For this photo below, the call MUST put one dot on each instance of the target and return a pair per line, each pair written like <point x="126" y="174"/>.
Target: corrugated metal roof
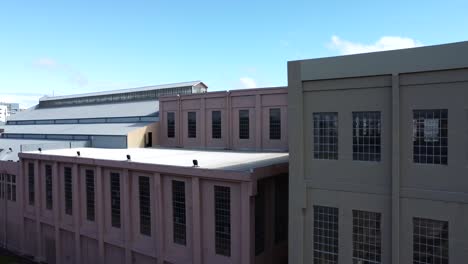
<point x="111" y="129"/>
<point x="138" y="89"/>
<point x="17" y="144"/>
<point x="130" y="109"/>
<point x="207" y="159"/>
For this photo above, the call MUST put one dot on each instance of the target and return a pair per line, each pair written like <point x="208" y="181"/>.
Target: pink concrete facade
<point x="258" y="102"/>
<point x="53" y="236"/>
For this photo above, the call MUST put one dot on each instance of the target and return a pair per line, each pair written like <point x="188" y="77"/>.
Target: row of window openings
<point x="216" y="131"/>
<point x="430" y="238"/>
<point x="222" y="204"/>
<point x="430" y="140"/>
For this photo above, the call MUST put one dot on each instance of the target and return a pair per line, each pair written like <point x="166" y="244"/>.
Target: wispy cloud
<point x="346" y="47"/>
<point x="248" y="82"/>
<point x="69" y="72"/>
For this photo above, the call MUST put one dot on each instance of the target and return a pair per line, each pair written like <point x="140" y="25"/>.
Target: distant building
<point x="4" y="114"/>
<point x="378" y="165"/>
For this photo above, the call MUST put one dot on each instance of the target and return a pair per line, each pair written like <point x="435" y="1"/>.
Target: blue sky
<point x="66" y="47"/>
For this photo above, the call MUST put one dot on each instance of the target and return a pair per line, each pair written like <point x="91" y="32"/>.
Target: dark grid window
<point x="145" y="205"/>
<point x="366" y="237"/>
<point x="8" y="187"/>
<point x="115" y="199"/>
<point x="222" y="220"/>
<point x="275" y="123"/>
<point x="67" y="186"/>
<point x="325" y="234"/>
<point x="192" y="124"/>
<point x="2" y="186"/>
<point x="90" y="195"/>
<point x="48" y="186"/>
<point x="430" y="241"/>
<point x="366" y="136"/>
<point x="170" y="124"/>
<point x="281" y="209"/>
<point x="260" y="220"/>
<point x="326" y="136"/>
<point x="178" y="212"/>
<point x="430" y="136"/>
<point x="216" y="124"/>
<point x="244" y="124"/>
<point x="31" y="183"/>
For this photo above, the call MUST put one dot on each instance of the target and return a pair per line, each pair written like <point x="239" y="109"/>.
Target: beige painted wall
<point x="136" y="138"/>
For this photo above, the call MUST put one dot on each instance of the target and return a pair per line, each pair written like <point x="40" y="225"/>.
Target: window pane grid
<point x="145" y="205"/>
<point x="244" y="124"/>
<point x="90" y="195"/>
<point x="430" y="241"/>
<point x="216" y="124"/>
<point x="178" y="211"/>
<point x="326" y="136"/>
<point x="275" y="123"/>
<point x="67" y="173"/>
<point x="366" y="136"/>
<point x="170" y="124"/>
<point x="430" y="136"/>
<point x="223" y="220"/>
<point x="192" y="124"/>
<point x="325" y="235"/>
<point x="31" y="183"/>
<point x="366" y="237"/>
<point x="115" y="199"/>
<point x="48" y="186"/>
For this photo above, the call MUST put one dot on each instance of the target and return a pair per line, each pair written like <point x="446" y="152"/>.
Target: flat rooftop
<point x="207" y="159"/>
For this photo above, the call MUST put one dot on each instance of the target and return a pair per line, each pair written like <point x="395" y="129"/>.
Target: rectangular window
<point x="48" y="186"/>
<point x="260" y="220"/>
<point x="192" y="124"/>
<point x="115" y="199"/>
<point x="430" y="241"/>
<point x="325" y="234"/>
<point x="244" y="124"/>
<point x="67" y="185"/>
<point x="31" y="183"/>
<point x="366" y="136"/>
<point x="178" y="212"/>
<point x="216" y="124"/>
<point x="430" y="136"/>
<point x="8" y="187"/>
<point x="222" y="220"/>
<point x="275" y="123"/>
<point x="170" y="124"/>
<point x="145" y="205"/>
<point x="367" y="237"/>
<point x="281" y="209"/>
<point x="90" y="195"/>
<point x="326" y="136"/>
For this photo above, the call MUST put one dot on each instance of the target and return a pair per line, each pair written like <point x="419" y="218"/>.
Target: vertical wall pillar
<point x="160" y="245"/>
<point x="196" y="206"/>
<point x="56" y="211"/>
<point x="37" y="204"/>
<point x="247" y="226"/>
<point x="126" y="185"/>
<point x="179" y="128"/>
<point x="76" y="211"/>
<point x="395" y="168"/>
<point x="229" y="132"/>
<point x="258" y="122"/>
<point x="203" y="123"/>
<point x="100" y="212"/>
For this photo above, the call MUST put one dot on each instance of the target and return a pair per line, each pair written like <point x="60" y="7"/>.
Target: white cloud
<point x="248" y="82"/>
<point x="346" y="47"/>
<point x="72" y="74"/>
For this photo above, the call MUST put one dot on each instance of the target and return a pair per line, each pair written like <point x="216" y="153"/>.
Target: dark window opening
<point x="67" y="174"/>
<point x="216" y="124"/>
<point x="145" y="205"/>
<point x="31" y="186"/>
<point x="430" y="241"/>
<point x="170" y="124"/>
<point x="192" y="124"/>
<point x="367" y="237"/>
<point x="244" y="124"/>
<point x="115" y="199"/>
<point x="281" y="209"/>
<point x="275" y="123"/>
<point x="222" y="220"/>
<point x="366" y="136"/>
<point x="430" y="136"/>
<point x="178" y="212"/>
<point x="90" y="195"/>
<point x="48" y="186"/>
<point x="326" y="136"/>
<point x="260" y="219"/>
<point x="325" y="234"/>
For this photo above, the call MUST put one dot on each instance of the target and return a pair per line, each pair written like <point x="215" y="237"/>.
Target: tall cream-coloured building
<point x="378" y="157"/>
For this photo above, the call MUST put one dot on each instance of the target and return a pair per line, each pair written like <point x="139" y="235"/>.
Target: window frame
<point x="171" y="124"/>
<point x="426" y="151"/>
<point x="144" y="199"/>
<point x="367" y="136"/>
<point x="274" y="125"/>
<point x="192" y="124"/>
<point x="68" y="190"/>
<point x="323" y="140"/>
<point x="48" y="178"/>
<point x="216" y="127"/>
<point x="115" y="196"/>
<point x="179" y="212"/>
<point x="223" y="238"/>
<point x="244" y="124"/>
<point x="90" y="194"/>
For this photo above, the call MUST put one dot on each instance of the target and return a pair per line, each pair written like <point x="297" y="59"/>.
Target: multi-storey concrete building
<point x="379" y="157"/>
<point x="160" y="205"/>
